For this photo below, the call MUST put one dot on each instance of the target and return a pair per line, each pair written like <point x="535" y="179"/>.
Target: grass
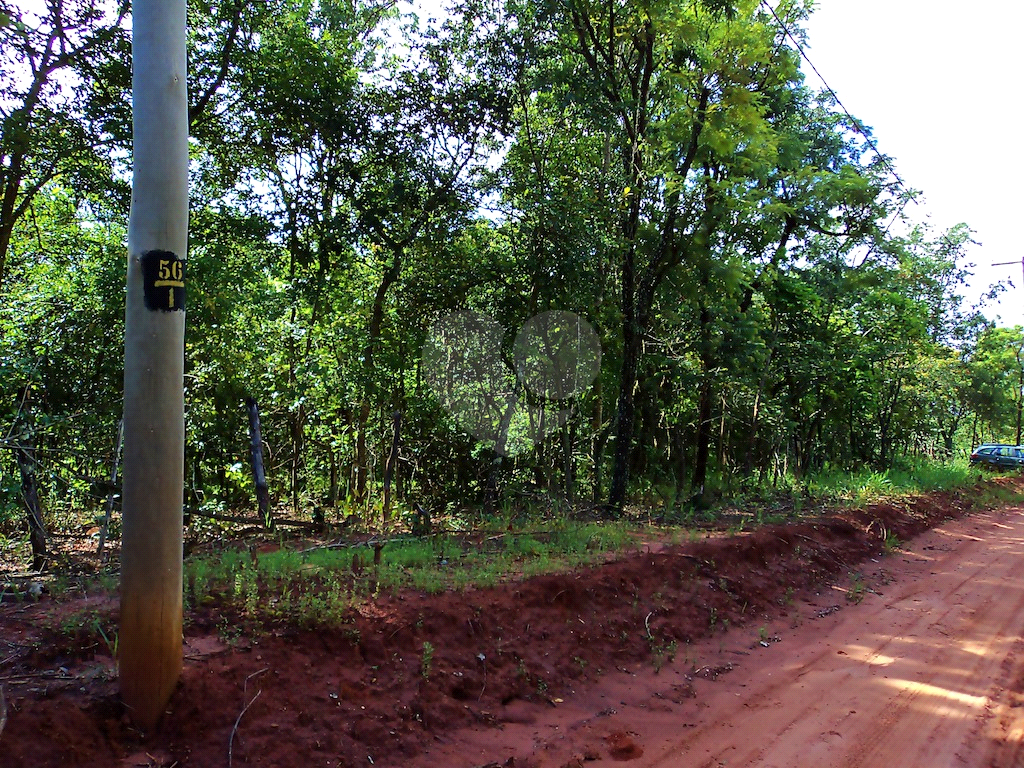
<point x="319" y="587"/>
<point x="868" y="486"/>
<point x="992" y="495"/>
<point x="857" y="588"/>
<point x="88" y="629"/>
<point x="426" y="660"/>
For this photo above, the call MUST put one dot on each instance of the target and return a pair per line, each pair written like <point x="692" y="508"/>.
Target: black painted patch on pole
<point x="163" y="281"/>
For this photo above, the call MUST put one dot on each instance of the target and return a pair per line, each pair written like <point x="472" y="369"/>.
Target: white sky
<point x="939" y="84"/>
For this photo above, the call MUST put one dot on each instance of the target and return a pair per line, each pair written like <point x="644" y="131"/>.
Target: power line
<point x="1008" y="263"/>
<point x="854" y="121"/>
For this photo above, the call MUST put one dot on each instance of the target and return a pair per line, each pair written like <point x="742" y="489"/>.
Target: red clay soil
<point x="729" y="650"/>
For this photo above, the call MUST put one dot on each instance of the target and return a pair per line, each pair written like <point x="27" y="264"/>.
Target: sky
<point x="938" y="82"/>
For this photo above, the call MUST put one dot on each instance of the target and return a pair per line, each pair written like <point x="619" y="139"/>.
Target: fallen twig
<point x="3" y="711"/>
<point x="371" y="543"/>
<point x="234" y="730"/>
<point x="52" y="674"/>
<point x="254" y="674"/>
<point x="249" y="521"/>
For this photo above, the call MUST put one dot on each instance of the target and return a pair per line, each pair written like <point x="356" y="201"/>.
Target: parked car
<point x="1003" y="456"/>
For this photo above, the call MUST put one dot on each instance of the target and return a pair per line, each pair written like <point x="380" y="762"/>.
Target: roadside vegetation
<point x="255" y="580"/>
<point x="763" y="335"/>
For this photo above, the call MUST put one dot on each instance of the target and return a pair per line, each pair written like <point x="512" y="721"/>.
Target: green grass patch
<point x="319" y="587"/>
<point x="994" y="495"/>
<point x="910" y="478"/>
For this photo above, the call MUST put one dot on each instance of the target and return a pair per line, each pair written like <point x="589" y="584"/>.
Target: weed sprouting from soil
<point x="426" y="660"/>
<point x="857" y="588"/>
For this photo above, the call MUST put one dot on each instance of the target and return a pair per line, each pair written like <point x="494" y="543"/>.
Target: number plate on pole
<point x="163" y="280"/>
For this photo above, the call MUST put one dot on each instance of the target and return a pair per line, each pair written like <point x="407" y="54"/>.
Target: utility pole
<point x="1018" y="352"/>
<point x="150" y="639"/>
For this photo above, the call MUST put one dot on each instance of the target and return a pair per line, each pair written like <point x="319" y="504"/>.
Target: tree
<point x="151" y="552"/>
<point x="45" y="89"/>
<point x="720" y="163"/>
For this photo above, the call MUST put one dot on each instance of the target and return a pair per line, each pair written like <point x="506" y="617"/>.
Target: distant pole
<point x="150" y="639"/>
<point x="1018" y="352"/>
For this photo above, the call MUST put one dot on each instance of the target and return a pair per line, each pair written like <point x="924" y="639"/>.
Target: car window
<point x="998" y="452"/>
<point x="984" y="451"/>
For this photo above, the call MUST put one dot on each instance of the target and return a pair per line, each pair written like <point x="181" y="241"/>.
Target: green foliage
<point x="320" y="586"/>
<point x="857" y="589"/>
<point x="357" y="175"/>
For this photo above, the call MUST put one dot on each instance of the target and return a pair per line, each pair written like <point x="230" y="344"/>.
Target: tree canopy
<point x="658" y="168"/>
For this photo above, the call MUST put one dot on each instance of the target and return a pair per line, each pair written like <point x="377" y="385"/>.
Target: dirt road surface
<point x="920" y="662"/>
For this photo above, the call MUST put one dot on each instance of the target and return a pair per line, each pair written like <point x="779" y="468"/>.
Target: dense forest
<point x="372" y="191"/>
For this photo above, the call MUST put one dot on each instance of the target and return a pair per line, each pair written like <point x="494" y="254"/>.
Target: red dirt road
<point x="926" y="670"/>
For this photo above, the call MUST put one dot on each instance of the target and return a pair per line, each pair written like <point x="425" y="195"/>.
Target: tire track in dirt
<point x="914" y="693"/>
<point x="796" y="716"/>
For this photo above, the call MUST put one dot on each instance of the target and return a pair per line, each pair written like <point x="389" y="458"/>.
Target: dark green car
<point x="1001" y="456"/>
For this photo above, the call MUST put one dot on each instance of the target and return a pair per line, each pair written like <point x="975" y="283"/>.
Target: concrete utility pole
<point x="150" y="639"/>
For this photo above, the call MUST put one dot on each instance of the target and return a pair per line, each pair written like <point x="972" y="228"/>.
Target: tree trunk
<point x="335" y="490"/>
<point x="33" y="510"/>
<point x="755" y="421"/>
<point x="598" y="441"/>
<point x="118" y="442"/>
<point x="26" y="457"/>
<point x="390" y="466"/>
<point x="500" y="447"/>
<point x="678" y="439"/>
<point x="259" y="475"/>
<point x="150" y="641"/>
<point x="1020" y="393"/>
<point x="625" y="412"/>
<point x="703" y="440"/>
<point x="6" y="230"/>
<point x="297" y="434"/>
<point x="391" y="275"/>
<point x="361" y="458"/>
<point x="568" y="458"/>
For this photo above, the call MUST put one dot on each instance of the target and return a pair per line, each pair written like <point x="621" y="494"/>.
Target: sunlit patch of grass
<point x="319" y="586"/>
<point x="996" y="494"/>
<point x="909" y="478"/>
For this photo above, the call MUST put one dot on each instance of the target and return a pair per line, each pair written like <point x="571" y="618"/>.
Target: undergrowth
<point x="868" y="486"/>
<point x="322" y="585"/>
